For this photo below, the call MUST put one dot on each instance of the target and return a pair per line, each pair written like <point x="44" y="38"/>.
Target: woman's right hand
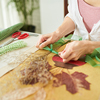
<point x="47" y="39"/>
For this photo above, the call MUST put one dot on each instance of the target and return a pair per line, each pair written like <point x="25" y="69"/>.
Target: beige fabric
<point x="12" y="59"/>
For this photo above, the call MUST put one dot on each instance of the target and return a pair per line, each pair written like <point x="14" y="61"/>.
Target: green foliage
<point x="25" y="8"/>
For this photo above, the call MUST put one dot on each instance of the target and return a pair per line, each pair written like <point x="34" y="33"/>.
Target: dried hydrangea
<point x="37" y="71"/>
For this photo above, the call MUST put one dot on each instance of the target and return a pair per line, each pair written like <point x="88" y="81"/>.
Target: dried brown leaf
<point x="73" y="82"/>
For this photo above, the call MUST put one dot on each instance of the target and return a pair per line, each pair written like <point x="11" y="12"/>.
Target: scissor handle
<point x="22" y="36"/>
<point x="16" y="34"/>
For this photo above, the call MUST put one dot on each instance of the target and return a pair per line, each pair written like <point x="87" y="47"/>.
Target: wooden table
<point x="59" y="93"/>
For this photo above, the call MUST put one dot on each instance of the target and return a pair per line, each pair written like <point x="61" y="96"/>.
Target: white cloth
<point x="80" y="28"/>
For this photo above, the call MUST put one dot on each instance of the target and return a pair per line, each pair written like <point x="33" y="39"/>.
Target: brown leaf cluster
<point x="73" y="82"/>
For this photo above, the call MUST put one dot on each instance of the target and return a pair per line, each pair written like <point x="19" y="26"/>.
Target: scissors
<point x="15" y="36"/>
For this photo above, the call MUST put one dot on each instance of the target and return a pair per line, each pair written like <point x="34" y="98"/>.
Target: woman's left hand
<point x="74" y="50"/>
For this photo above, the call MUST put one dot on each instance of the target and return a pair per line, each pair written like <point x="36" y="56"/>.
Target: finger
<point x="37" y="45"/>
<point x="61" y="52"/>
<point x="68" y="59"/>
<point x="71" y="57"/>
<point x="41" y="40"/>
<point x="65" y="54"/>
<point x="45" y="43"/>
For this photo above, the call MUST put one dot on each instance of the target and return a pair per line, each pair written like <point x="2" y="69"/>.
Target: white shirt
<point x="80" y="28"/>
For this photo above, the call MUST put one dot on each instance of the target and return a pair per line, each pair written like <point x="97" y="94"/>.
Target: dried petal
<point x="40" y="95"/>
<point x="20" y="93"/>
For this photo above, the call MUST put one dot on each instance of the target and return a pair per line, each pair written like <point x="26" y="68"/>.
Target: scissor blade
<point x="30" y="34"/>
<point x="6" y="43"/>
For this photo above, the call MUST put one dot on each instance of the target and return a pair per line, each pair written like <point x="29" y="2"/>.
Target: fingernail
<point x="63" y="51"/>
<point x="40" y="47"/>
<point x="59" y="53"/>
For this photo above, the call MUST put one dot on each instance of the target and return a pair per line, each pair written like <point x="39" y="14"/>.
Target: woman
<point x="84" y="19"/>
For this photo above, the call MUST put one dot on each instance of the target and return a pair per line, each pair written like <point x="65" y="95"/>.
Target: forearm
<point x="66" y="27"/>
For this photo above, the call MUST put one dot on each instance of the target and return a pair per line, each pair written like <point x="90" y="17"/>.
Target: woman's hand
<point x="47" y="39"/>
<point x="66" y="27"/>
<point x="74" y="50"/>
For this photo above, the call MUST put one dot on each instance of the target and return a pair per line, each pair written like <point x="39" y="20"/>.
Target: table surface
<point x="58" y="93"/>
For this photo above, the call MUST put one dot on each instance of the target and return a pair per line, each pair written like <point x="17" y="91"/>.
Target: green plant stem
<point x="32" y="3"/>
<point x="25" y="13"/>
